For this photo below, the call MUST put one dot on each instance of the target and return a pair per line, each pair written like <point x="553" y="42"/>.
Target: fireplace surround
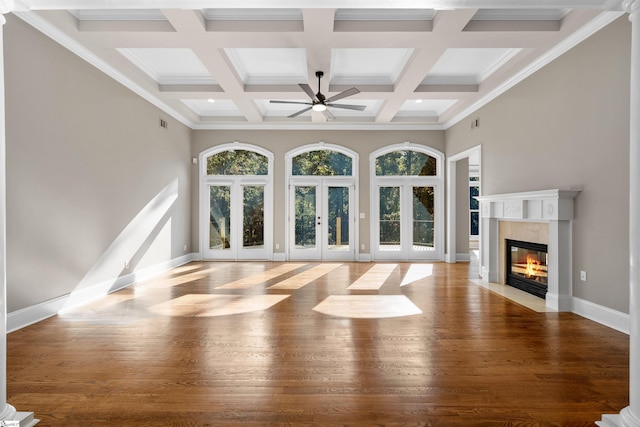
<point x="545" y="213"/>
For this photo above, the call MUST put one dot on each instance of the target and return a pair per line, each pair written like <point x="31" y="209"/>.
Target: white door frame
<point x="435" y="181"/>
<point x="353" y="178"/>
<point x="237" y="181"/>
<point x="450" y="255"/>
<point x="322" y="251"/>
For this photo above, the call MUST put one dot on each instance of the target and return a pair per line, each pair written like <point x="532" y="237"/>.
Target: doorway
<point x="322" y="194"/>
<point x="322" y="219"/>
<point x="407" y="213"/>
<point x="236" y="202"/>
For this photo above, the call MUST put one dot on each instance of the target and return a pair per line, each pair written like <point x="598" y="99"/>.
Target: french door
<point x="237" y="221"/>
<point x="321" y="220"/>
<point x="406" y="224"/>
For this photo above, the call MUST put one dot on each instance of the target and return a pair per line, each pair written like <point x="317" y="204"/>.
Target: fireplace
<point x="527" y="266"/>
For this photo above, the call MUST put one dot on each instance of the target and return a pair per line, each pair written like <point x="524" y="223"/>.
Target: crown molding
<point x="568" y="43"/>
<point x="63" y="39"/>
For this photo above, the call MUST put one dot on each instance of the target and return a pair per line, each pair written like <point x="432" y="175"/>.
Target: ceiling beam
<point x="25" y="5"/>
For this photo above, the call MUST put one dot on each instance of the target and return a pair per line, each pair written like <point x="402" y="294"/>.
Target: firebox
<point x="526" y="264"/>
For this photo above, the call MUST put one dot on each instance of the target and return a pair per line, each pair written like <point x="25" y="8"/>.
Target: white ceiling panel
<point x="269" y="65"/>
<point x="519" y="14"/>
<point x="385" y="14"/>
<point x="221" y="14"/>
<point x="169" y="65"/>
<point x="468" y="66"/>
<point x="218" y="107"/>
<point x="119" y="15"/>
<point x="425" y="107"/>
<point x="368" y="66"/>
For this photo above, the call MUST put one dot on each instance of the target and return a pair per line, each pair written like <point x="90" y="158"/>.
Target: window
<point x="237" y="162"/>
<point x="405" y="163"/>
<point x="322" y="163"/>
<point x="474" y="206"/>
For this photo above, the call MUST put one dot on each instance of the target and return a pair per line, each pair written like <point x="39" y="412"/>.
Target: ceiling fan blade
<point x="304" y="110"/>
<point x="327" y="114"/>
<point x="344" y="94"/>
<point x="273" y="101"/>
<point x="348" y="106"/>
<point x="305" y="87"/>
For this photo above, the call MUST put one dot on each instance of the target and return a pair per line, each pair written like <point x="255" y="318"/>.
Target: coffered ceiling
<point x="417" y="64"/>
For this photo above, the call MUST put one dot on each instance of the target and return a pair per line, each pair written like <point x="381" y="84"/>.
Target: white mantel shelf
<point x="554" y="207"/>
<point x="543" y="205"/>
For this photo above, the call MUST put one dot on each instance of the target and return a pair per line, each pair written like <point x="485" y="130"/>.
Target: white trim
<point x="354" y="179"/>
<point x="280" y="256"/>
<point x="601" y="314"/>
<point x="451" y="198"/>
<point x="436" y="181"/>
<point x="463" y="257"/>
<point x="364" y="258"/>
<point x="29" y="315"/>
<point x="235" y="180"/>
<point x="302" y="4"/>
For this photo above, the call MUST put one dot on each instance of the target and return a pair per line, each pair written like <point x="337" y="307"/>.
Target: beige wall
<point x="280" y="142"/>
<point x="84" y="157"/>
<point x="567" y="126"/>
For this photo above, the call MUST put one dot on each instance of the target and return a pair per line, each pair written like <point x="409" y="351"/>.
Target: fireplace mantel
<point x="554" y="207"/>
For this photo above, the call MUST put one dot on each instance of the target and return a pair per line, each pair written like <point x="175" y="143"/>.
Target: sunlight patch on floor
<point x="367" y="306"/>
<point x="261" y="278"/>
<point x="174" y="281"/>
<point x="417" y="272"/>
<point x="306" y="277"/>
<point x="374" y="278"/>
<point x="194" y="305"/>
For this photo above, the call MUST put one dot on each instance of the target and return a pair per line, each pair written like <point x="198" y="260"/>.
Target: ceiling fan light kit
<point x="320" y="103"/>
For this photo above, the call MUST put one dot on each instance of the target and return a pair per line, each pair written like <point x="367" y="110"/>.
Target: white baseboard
<point x="463" y="257"/>
<point x="279" y="256"/>
<point x="29" y="315"/>
<point x="603" y="315"/>
<point x="364" y="257"/>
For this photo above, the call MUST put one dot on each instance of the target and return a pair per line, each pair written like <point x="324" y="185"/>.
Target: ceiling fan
<point x="320" y="103"/>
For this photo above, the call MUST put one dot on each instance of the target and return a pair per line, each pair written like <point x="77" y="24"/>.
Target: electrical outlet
<point x="185" y="248"/>
<point x="126" y="264"/>
<point x="583" y="275"/>
<point x="277" y="245"/>
<point x="362" y="247"/>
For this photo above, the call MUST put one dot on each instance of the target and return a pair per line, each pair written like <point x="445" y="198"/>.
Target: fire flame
<point x="532" y="266"/>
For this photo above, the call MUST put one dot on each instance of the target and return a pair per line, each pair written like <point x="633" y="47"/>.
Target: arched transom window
<point x="236" y="202"/>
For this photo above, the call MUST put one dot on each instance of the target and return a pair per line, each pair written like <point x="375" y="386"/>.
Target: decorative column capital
<point x="631" y="6"/>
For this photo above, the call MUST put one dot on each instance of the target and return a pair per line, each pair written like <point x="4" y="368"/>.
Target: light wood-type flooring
<point x="291" y="344"/>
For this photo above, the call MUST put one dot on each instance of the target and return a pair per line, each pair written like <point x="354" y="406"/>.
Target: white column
<point x="630" y="416"/>
<point x="7" y="412"/>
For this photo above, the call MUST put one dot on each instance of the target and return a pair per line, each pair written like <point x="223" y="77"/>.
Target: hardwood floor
<point x="186" y="350"/>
